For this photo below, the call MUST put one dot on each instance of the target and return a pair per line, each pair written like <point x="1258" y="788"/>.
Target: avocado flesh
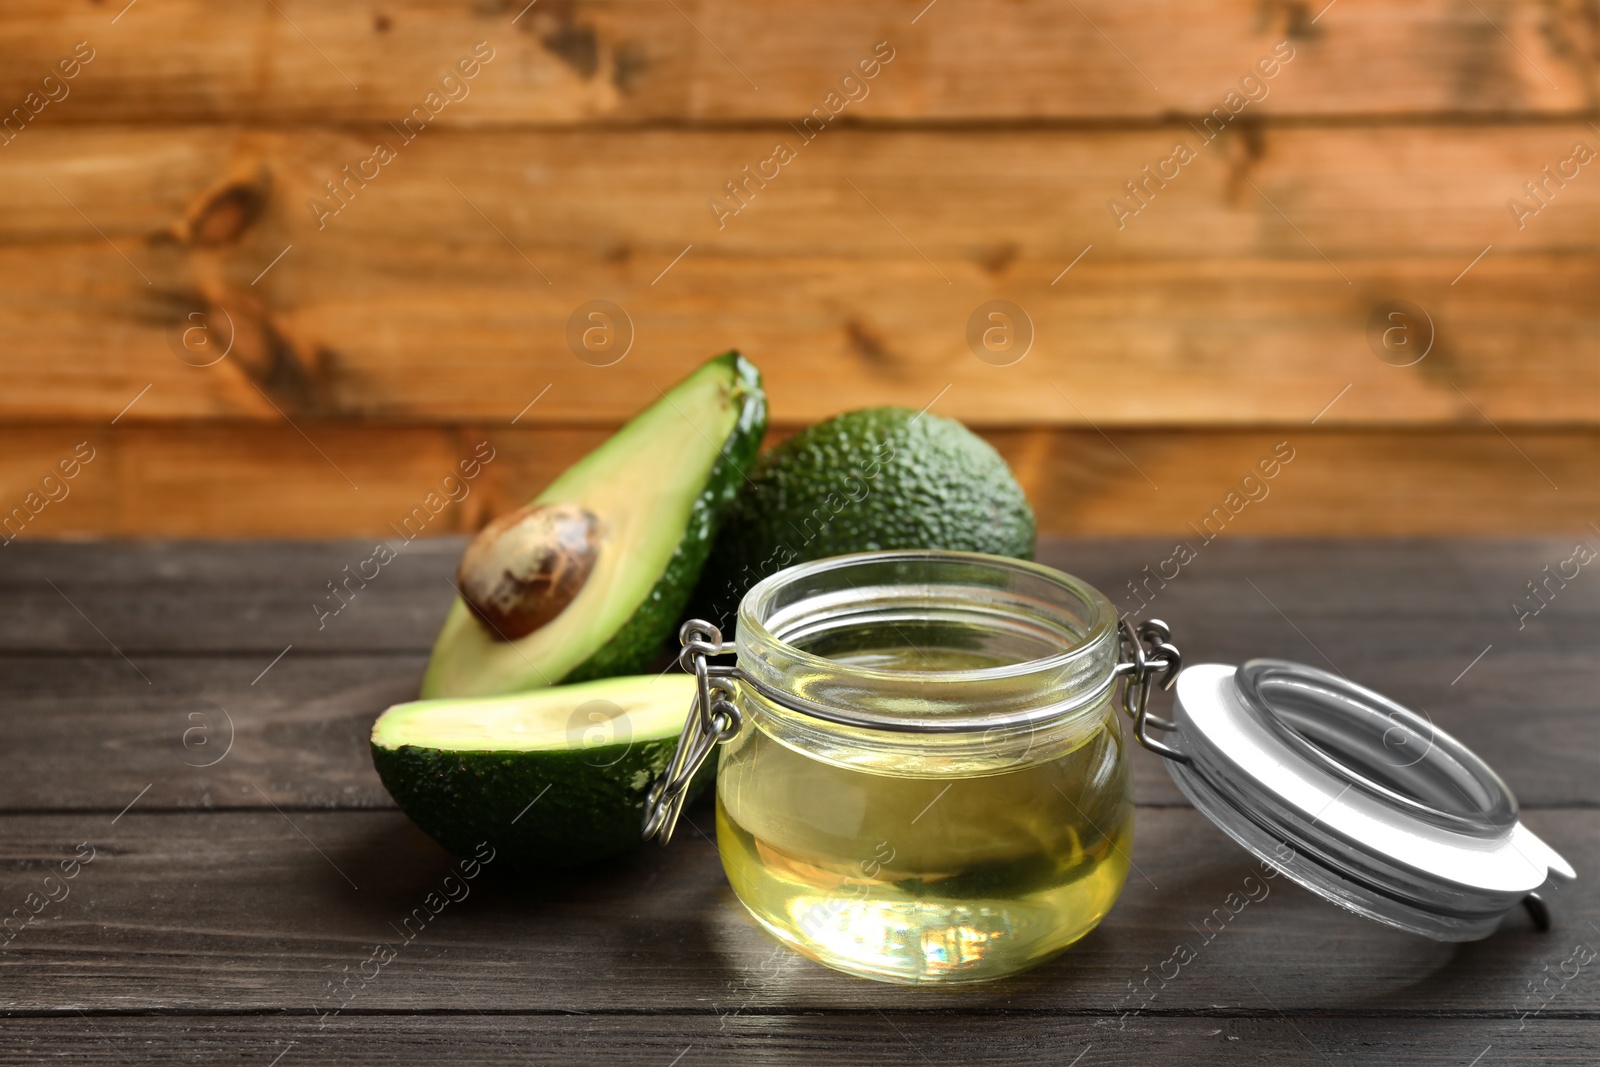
<point x="549" y="779"/>
<point x="641" y="707"/>
<point x="658" y="487"/>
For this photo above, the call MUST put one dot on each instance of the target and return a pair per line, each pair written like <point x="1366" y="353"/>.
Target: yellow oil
<point x="926" y="878"/>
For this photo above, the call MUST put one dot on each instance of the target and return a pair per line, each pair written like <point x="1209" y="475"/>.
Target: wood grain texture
<point x="442" y="291"/>
<point x="247" y="900"/>
<point x="225" y="906"/>
<point x="301" y="61"/>
<point x="329" y="479"/>
<point x="204" y="711"/>
<point x="891" y="1038"/>
<point x="148" y="595"/>
<point x="204" y="735"/>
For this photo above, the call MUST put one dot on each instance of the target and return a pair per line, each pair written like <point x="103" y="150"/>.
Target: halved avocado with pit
<point x="591" y="578"/>
<point x="549" y="779"/>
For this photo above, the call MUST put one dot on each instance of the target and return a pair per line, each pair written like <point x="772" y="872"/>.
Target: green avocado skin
<point x="590" y="801"/>
<point x="879" y="478"/>
<point x="654" y="623"/>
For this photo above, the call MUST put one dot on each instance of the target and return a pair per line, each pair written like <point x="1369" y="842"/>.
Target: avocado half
<point x="548" y="779"/>
<point x="657" y="489"/>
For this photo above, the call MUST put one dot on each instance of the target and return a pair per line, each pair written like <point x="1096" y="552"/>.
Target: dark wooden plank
<point x="1424" y="621"/>
<point x="274" y="916"/>
<point x="155" y="597"/>
<point x="200" y="735"/>
<point x="185" y="597"/>
<point x="300" y="734"/>
<point x="889" y="1038"/>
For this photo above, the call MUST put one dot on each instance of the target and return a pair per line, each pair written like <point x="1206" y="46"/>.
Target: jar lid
<point x="1356" y="797"/>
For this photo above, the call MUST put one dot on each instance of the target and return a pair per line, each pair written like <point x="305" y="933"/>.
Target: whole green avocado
<point x="878" y="478"/>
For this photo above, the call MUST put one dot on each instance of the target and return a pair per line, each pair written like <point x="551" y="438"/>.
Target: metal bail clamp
<point x="1144" y="652"/>
<point x="713" y="717"/>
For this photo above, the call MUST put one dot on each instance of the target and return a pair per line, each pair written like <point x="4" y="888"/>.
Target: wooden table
<point x="234" y="888"/>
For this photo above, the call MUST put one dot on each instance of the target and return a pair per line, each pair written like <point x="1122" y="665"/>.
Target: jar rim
<point x="1100" y="627"/>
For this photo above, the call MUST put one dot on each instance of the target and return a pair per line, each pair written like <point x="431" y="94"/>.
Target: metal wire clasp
<point x="1144" y="652"/>
<point x="713" y="717"/>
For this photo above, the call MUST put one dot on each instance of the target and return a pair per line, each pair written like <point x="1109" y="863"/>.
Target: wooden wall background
<point x="1226" y="316"/>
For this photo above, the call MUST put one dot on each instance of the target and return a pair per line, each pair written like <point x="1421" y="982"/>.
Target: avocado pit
<point x="525" y="567"/>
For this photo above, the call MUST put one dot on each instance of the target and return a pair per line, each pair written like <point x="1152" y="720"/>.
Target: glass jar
<point x="923" y="778"/>
<point x="930" y="781"/>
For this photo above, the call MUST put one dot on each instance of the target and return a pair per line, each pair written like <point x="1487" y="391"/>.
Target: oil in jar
<point x="926" y="877"/>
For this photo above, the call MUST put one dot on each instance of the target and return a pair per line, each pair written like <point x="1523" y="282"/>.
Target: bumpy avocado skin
<point x="593" y="807"/>
<point x="879" y="478"/>
<point x="655" y="622"/>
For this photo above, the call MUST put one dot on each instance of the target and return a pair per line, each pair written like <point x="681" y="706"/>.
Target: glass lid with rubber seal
<point x="1356" y="797"/>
